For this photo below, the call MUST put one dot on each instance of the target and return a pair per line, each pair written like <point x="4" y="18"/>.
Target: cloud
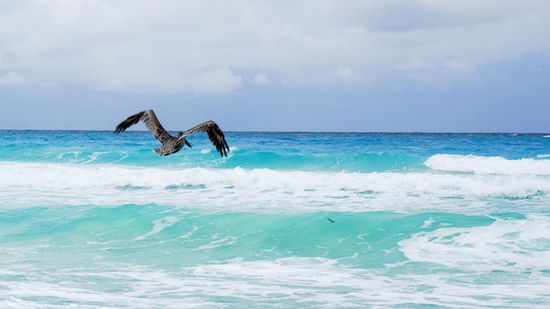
<point x="12" y="78"/>
<point x="167" y="47"/>
<point x="219" y="81"/>
<point x="261" y="79"/>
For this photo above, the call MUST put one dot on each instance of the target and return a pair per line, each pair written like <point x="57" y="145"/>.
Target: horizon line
<point x="299" y="132"/>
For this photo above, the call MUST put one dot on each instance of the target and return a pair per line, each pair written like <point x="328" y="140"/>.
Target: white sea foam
<point x="487" y="165"/>
<point x="290" y="282"/>
<point x="216" y="243"/>
<point x="543" y="156"/>
<point x="94" y="156"/>
<point x="505" y="245"/>
<point x="32" y="184"/>
<point x="158" y="226"/>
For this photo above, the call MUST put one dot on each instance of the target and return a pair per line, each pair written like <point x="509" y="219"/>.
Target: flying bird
<point x="172" y="144"/>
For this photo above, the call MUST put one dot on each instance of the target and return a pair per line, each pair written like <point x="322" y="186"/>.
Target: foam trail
<point x="487" y="165"/>
<point x="158" y="226"/>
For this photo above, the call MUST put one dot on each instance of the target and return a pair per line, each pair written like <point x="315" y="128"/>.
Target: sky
<point x="362" y="66"/>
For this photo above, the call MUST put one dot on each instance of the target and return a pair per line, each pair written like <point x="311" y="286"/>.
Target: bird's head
<point x="180" y="134"/>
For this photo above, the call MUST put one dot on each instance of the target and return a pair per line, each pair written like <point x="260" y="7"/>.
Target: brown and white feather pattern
<point x="151" y="122"/>
<point x="215" y="134"/>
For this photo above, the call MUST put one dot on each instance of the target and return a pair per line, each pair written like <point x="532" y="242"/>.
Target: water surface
<point x="91" y="219"/>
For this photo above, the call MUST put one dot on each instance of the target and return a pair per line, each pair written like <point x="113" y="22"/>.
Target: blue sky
<point x="452" y="66"/>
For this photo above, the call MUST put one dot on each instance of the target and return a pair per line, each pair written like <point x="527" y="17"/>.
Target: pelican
<point x="171" y="144"/>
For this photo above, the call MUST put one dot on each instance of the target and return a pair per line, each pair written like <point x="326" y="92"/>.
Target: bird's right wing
<point x="215" y="134"/>
<point x="150" y="119"/>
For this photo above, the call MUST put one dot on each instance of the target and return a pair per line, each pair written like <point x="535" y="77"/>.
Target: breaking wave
<point x="270" y="190"/>
<point x="488" y="165"/>
<point x="504" y="245"/>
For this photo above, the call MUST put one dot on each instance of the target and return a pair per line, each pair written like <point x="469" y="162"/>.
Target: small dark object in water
<point x="330" y="220"/>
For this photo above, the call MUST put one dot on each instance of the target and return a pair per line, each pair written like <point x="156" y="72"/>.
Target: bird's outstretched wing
<point x="215" y="135"/>
<point x="150" y="119"/>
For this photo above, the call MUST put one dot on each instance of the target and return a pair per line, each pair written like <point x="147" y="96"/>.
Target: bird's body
<point x="170" y="147"/>
<point x="172" y="144"/>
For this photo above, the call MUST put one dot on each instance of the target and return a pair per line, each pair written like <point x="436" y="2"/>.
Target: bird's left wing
<point x="151" y="122"/>
<point x="215" y="134"/>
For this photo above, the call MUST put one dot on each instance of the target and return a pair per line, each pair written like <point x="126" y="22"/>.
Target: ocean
<point x="350" y="220"/>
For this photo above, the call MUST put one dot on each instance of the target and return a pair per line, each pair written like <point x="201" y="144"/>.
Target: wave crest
<point x="487" y="165"/>
<point x="24" y="185"/>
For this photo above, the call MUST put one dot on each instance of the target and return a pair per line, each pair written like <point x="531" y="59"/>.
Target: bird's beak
<point x="187" y="143"/>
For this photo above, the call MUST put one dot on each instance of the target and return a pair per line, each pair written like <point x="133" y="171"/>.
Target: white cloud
<point x="197" y="46"/>
<point x="219" y="81"/>
<point x="261" y="79"/>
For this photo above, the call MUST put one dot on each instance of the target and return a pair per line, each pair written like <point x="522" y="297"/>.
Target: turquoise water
<point x="90" y="219"/>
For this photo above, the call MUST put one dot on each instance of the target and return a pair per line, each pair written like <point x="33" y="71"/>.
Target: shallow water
<point x="91" y="219"/>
